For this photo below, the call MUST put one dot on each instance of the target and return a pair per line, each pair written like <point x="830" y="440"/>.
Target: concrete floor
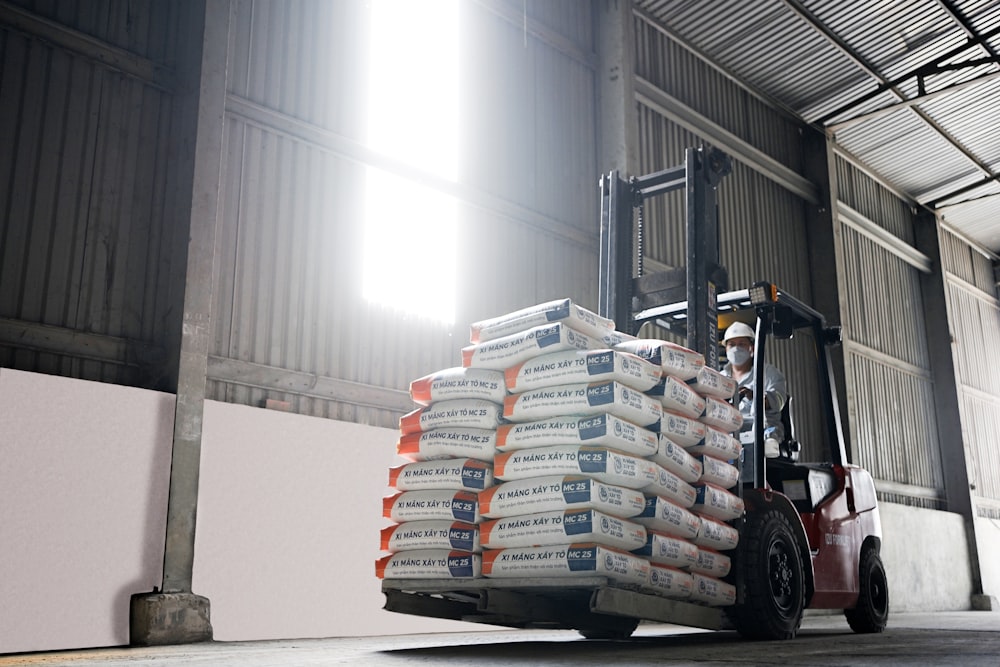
<point x="946" y="638"/>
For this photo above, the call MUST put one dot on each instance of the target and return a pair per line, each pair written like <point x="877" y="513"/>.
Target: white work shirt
<point x="776" y="393"/>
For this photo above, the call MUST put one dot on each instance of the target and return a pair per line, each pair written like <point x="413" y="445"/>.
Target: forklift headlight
<point x="762" y="293"/>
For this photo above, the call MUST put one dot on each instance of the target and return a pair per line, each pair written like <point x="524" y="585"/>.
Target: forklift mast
<point x="624" y="298"/>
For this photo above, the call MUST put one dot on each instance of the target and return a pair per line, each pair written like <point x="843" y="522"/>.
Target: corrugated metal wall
<point x="890" y="386"/>
<point x="762" y="225"/>
<point x="87" y="231"/>
<point x="974" y="318"/>
<point x="294" y="166"/>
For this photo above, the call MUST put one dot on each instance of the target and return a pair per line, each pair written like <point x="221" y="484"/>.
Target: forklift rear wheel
<point x="770" y="566"/>
<point x="872" y="611"/>
<point x="621" y="630"/>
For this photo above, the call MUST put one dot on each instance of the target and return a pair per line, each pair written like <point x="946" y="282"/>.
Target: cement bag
<point x="717" y="503"/>
<point x="548" y="528"/>
<point x="602" y="464"/>
<point x="712" y="591"/>
<point x="675" y="360"/>
<point x="716" y="535"/>
<point x="718" y="444"/>
<point x="584" y="399"/>
<point x="682" y="430"/>
<point x="671" y="487"/>
<point x="722" y="415"/>
<point x="558" y="492"/>
<point x="603" y="429"/>
<point x="615" y="338"/>
<point x="710" y="382"/>
<point x="668" y="550"/>
<point x="560" y="310"/>
<point x="663" y="516"/>
<point x="669" y="581"/>
<point x="457" y="474"/>
<point x="458" y="413"/>
<point x="449" y="443"/>
<point x="677" y="460"/>
<point x="577" y="367"/>
<point x="712" y="563"/>
<point x="568" y="560"/>
<point x="717" y="472"/>
<point x="428" y="564"/>
<point x="502" y="353"/>
<point x="440" y="534"/>
<point x="676" y="396"/>
<point x="434" y="504"/>
<point x="459" y="382"/>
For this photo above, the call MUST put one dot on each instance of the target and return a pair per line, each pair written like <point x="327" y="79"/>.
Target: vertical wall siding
<point x="86" y="226"/>
<point x="762" y="225"/>
<point x="289" y="279"/>
<point x="974" y="318"/>
<point x="893" y="419"/>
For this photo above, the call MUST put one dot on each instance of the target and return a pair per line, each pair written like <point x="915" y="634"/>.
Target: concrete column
<point x="617" y="122"/>
<point x="176" y="615"/>
<point x="946" y="402"/>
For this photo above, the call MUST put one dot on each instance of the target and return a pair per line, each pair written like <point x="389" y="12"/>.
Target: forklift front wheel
<point x="872" y="611"/>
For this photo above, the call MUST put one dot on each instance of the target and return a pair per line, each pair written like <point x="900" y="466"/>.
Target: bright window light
<point x="410" y="229"/>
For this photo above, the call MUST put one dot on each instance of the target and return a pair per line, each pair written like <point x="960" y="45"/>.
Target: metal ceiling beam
<point x="800" y="10"/>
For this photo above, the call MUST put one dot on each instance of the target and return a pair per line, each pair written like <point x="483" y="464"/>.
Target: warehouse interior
<point x="234" y="231"/>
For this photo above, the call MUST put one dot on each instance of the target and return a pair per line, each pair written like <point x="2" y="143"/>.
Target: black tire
<point x="872" y="611"/>
<point x="769" y="565"/>
<point x="620" y="630"/>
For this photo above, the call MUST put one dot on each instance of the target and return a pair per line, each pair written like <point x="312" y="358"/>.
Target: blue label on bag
<point x="599" y="363"/>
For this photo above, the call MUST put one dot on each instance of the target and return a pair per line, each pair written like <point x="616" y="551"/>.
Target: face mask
<point x="737" y="355"/>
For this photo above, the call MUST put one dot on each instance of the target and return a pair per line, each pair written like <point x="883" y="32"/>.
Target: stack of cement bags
<point x="564" y="448"/>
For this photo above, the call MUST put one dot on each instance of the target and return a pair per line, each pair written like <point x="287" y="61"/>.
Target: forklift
<point x="810" y="536"/>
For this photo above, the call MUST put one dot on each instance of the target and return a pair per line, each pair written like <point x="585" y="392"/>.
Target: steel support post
<point x="615" y="289"/>
<point x="175" y="615"/>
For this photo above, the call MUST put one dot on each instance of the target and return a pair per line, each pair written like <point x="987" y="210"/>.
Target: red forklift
<point x="810" y="536"/>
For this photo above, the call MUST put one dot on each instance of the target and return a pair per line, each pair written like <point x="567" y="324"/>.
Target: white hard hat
<point x="738" y="330"/>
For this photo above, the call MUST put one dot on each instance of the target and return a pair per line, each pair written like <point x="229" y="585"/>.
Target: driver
<point x="739" y="342"/>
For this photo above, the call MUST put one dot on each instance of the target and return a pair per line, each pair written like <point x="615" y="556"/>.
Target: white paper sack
<point x="712" y="563"/>
<point x="457" y="474"/>
<point x="663" y="516"/>
<point x="717" y="503"/>
<point x="578" y="366"/>
<point x="559" y="310"/>
<point x="559" y="492"/>
<point x="615" y="338"/>
<point x="712" y="591"/>
<point x="668" y="550"/>
<point x="603" y="429"/>
<point x="682" y="430"/>
<point x="670" y="582"/>
<point x="716" y="535"/>
<point x="440" y="534"/>
<point x="671" y="487"/>
<point x="719" y="473"/>
<point x="449" y="443"/>
<point x="718" y="444"/>
<point x="428" y="564"/>
<point x="674" y="359"/>
<point x="459" y="413"/>
<point x="548" y="528"/>
<point x="432" y="504"/>
<point x="677" y="460"/>
<point x="710" y="382"/>
<point x="459" y="382"/>
<point x="599" y="463"/>
<point x="721" y="415"/>
<point x="573" y="560"/>
<point x="502" y="353"/>
<point x="584" y="399"/>
<point x="676" y="396"/>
